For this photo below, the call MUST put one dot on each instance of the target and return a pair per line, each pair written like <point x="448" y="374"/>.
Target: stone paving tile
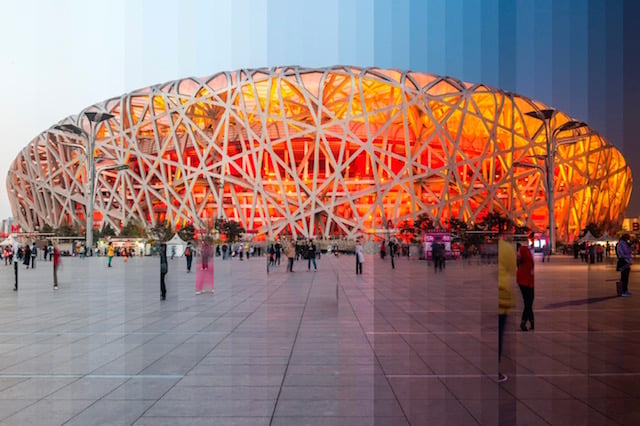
<point x="404" y="346"/>
<point x="9" y="407"/>
<point x="621" y="410"/>
<point x="111" y="412"/>
<point x="504" y="411"/>
<point x="203" y="421"/>
<point x="36" y="387"/>
<point x="213" y="393"/>
<point x="437" y="412"/>
<point x="144" y="388"/>
<point x="340" y="421"/>
<point x="380" y="390"/>
<point x="47" y="411"/>
<point x="567" y="411"/>
<point x="87" y="388"/>
<point x="338" y="408"/>
<point x="212" y="408"/>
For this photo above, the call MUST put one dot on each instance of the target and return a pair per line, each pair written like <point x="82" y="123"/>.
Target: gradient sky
<point x="579" y="56"/>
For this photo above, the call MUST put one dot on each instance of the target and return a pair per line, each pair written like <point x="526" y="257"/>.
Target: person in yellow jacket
<point x="506" y="274"/>
<point x="110" y="252"/>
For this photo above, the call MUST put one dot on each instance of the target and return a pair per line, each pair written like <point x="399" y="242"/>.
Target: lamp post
<point x="95" y="118"/>
<point x="552" y="144"/>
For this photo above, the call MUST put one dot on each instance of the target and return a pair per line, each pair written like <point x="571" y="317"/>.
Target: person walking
<point x="164" y="268"/>
<point x="311" y="255"/>
<point x="437" y="250"/>
<point x="188" y="254"/>
<point x="111" y="251"/>
<point x="34" y="253"/>
<point x="290" y="252"/>
<point x="205" y="254"/>
<point x="392" y="253"/>
<point x="56" y="265"/>
<point x="526" y="281"/>
<point x="506" y="272"/>
<point x="624" y="253"/>
<point x="359" y="258"/>
<point x="26" y="257"/>
<point x="278" y="252"/>
<point x="16" y="257"/>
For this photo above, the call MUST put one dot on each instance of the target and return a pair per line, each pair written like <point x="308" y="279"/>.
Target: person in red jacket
<point x="525" y="280"/>
<point x="56" y="265"/>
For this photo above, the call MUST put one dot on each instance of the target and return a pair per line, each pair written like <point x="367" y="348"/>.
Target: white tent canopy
<point x="9" y="241"/>
<point x="588" y="238"/>
<point x="607" y="238"/>
<point x="176" y="246"/>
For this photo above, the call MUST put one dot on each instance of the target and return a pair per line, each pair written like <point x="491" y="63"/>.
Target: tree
<point x="232" y="230"/>
<point x="423" y="223"/>
<point x="107" y="231"/>
<point x="407" y="231"/>
<point x="66" y="230"/>
<point x="187" y="233"/>
<point x="457" y="226"/>
<point x="97" y="234"/>
<point x="133" y="229"/>
<point x="495" y="221"/>
<point x="594" y="228"/>
<point x="161" y="232"/>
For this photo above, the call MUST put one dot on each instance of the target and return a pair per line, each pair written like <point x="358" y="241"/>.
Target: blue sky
<point x="59" y="57"/>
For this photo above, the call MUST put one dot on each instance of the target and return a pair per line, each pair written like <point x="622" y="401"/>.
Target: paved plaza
<point x="389" y="347"/>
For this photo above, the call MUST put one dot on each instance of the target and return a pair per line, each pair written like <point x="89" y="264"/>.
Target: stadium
<point x="319" y="152"/>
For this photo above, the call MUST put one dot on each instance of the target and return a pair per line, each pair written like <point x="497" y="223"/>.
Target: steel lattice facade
<point x="319" y="152"/>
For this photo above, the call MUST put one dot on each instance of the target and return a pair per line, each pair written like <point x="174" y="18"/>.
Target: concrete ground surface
<point x="388" y="347"/>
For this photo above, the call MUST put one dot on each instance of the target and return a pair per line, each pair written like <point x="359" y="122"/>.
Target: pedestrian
<point x="311" y="254"/>
<point x="110" y="252"/>
<point x="623" y="251"/>
<point x="278" y="252"/>
<point x="34" y="253"/>
<point x="56" y="265"/>
<point x="437" y="252"/>
<point x="164" y="268"/>
<point x="392" y="253"/>
<point x="26" y="257"/>
<point x="290" y="252"/>
<point x="205" y="254"/>
<point x="506" y="272"/>
<point x="383" y="251"/>
<point x="359" y="258"/>
<point x="525" y="279"/>
<point x="16" y="257"/>
<point x="188" y="254"/>
<point x="272" y="255"/>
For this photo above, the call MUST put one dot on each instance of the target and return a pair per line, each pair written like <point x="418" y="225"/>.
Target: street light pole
<point x="552" y="145"/>
<point x="95" y="118"/>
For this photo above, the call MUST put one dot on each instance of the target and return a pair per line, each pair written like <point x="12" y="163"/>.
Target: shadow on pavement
<point x="579" y="302"/>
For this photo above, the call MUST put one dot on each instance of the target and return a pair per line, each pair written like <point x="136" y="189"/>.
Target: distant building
<point x="5" y="226"/>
